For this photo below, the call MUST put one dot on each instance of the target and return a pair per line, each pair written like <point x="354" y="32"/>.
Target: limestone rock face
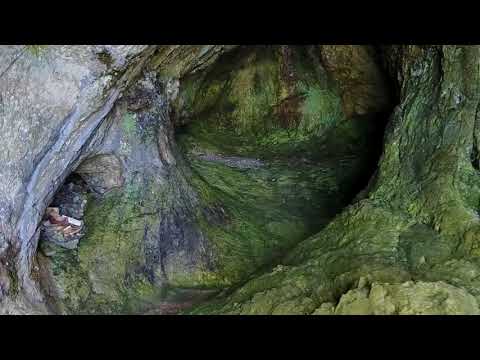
<point x="252" y="169"/>
<point x="409" y="298"/>
<point x="177" y="61"/>
<point x="54" y="102"/>
<point x="363" y="83"/>
<point x="191" y="214"/>
<point x="102" y="173"/>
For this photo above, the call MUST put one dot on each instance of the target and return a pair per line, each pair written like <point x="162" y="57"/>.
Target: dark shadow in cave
<point x="63" y="224"/>
<point x="374" y="155"/>
<point x="230" y="187"/>
<point x="381" y="121"/>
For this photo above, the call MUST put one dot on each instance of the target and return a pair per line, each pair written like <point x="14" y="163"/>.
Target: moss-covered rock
<point x="417" y="221"/>
<point x="276" y="107"/>
<point x="409" y="298"/>
<point x="266" y="157"/>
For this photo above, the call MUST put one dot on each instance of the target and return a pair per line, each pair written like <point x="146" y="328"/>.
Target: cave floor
<point x="275" y="189"/>
<point x="259" y="195"/>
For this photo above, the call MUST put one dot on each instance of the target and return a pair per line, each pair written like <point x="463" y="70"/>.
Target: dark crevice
<point x="370" y="168"/>
<point x="474" y="155"/>
<point x="62" y="224"/>
<point x="381" y="121"/>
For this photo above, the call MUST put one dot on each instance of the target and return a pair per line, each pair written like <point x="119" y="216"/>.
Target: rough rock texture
<point x="102" y="173"/>
<point x="275" y="155"/>
<point x="417" y="220"/>
<point x="409" y="298"/>
<point x="55" y="100"/>
<point x="210" y="219"/>
<point x="142" y="232"/>
<point x="175" y="61"/>
<point x="273" y="142"/>
<point x="52" y="105"/>
<point x="362" y="82"/>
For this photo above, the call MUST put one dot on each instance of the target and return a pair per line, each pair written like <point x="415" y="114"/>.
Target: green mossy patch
<point x="311" y="166"/>
<point x="416" y="232"/>
<point x="108" y="264"/>
<point x="283" y="116"/>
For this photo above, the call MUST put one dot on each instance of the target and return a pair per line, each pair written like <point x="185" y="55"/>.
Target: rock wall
<point x="418" y="219"/>
<point x="216" y="167"/>
<point x="209" y="213"/>
<point x="55" y="101"/>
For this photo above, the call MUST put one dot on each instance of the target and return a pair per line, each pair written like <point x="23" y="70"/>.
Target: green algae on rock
<point x="250" y="179"/>
<point x="309" y="169"/>
<point x="266" y="158"/>
<point x="413" y="223"/>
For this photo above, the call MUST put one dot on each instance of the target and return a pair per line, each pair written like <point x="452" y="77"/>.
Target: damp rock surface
<point x="410" y="298"/>
<point x="303" y="202"/>
<point x="232" y="161"/>
<point x="417" y="219"/>
<point x="55" y="101"/>
<point x="203" y="205"/>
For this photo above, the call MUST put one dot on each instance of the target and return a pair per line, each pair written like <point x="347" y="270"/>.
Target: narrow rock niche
<point x="63" y="223"/>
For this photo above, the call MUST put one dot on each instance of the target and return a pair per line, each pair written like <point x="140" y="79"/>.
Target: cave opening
<point x="271" y="164"/>
<point x="63" y="222"/>
<point x="280" y="181"/>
